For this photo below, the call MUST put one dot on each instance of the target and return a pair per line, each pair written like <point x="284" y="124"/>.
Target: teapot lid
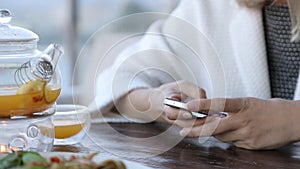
<point x="14" y="38"/>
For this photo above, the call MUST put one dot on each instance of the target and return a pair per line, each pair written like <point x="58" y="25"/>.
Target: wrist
<point x="294" y="117"/>
<point x="139" y="99"/>
<point x="133" y="105"/>
<point x="147" y="100"/>
<point x="143" y="104"/>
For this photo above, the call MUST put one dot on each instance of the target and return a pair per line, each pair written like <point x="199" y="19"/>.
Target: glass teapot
<point x="30" y="81"/>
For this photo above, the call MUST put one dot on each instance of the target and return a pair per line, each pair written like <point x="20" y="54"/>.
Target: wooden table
<point x="129" y="141"/>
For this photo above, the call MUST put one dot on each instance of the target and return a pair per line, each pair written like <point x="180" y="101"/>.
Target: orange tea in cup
<point x="67" y="128"/>
<point x="71" y="124"/>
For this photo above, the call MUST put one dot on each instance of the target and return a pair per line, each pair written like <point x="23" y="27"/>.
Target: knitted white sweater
<point x="214" y="43"/>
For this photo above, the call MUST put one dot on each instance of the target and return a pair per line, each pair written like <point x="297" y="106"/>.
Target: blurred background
<point x="72" y="23"/>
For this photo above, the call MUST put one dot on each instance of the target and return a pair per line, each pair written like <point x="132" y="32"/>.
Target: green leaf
<point x="10" y="160"/>
<point x="32" y="157"/>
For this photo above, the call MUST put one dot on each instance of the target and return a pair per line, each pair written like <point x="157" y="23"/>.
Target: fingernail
<point x="187" y="116"/>
<point x="183" y="132"/>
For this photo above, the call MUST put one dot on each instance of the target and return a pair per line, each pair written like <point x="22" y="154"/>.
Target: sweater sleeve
<point x="142" y="65"/>
<point x="188" y="45"/>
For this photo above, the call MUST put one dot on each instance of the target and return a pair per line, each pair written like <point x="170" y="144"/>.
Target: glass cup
<point x="71" y="123"/>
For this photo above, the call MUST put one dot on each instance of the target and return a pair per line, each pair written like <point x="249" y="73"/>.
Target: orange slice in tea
<point x="49" y="95"/>
<point x="32" y="86"/>
<point x="36" y="86"/>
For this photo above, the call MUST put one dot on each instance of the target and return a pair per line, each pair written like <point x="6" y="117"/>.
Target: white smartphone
<point x="181" y="105"/>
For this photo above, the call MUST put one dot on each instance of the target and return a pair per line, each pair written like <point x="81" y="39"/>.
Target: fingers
<point x="185" y="89"/>
<point x="174" y="113"/>
<point x="214" y="127"/>
<point x="194" y="122"/>
<point x="180" y="90"/>
<point x="230" y="136"/>
<point x="191" y="90"/>
<point x="184" y="119"/>
<point x="189" y="123"/>
<point x="219" y="104"/>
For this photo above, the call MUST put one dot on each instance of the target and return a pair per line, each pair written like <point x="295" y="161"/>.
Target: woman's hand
<point x="251" y="123"/>
<point x="147" y="104"/>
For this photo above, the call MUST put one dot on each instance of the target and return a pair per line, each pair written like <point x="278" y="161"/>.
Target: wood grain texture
<point x="188" y="153"/>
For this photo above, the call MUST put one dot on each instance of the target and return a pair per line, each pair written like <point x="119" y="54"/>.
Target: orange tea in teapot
<point x="34" y="96"/>
<point x="30" y="82"/>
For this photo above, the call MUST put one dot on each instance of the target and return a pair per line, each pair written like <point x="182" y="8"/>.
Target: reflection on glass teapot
<point x="30" y="80"/>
